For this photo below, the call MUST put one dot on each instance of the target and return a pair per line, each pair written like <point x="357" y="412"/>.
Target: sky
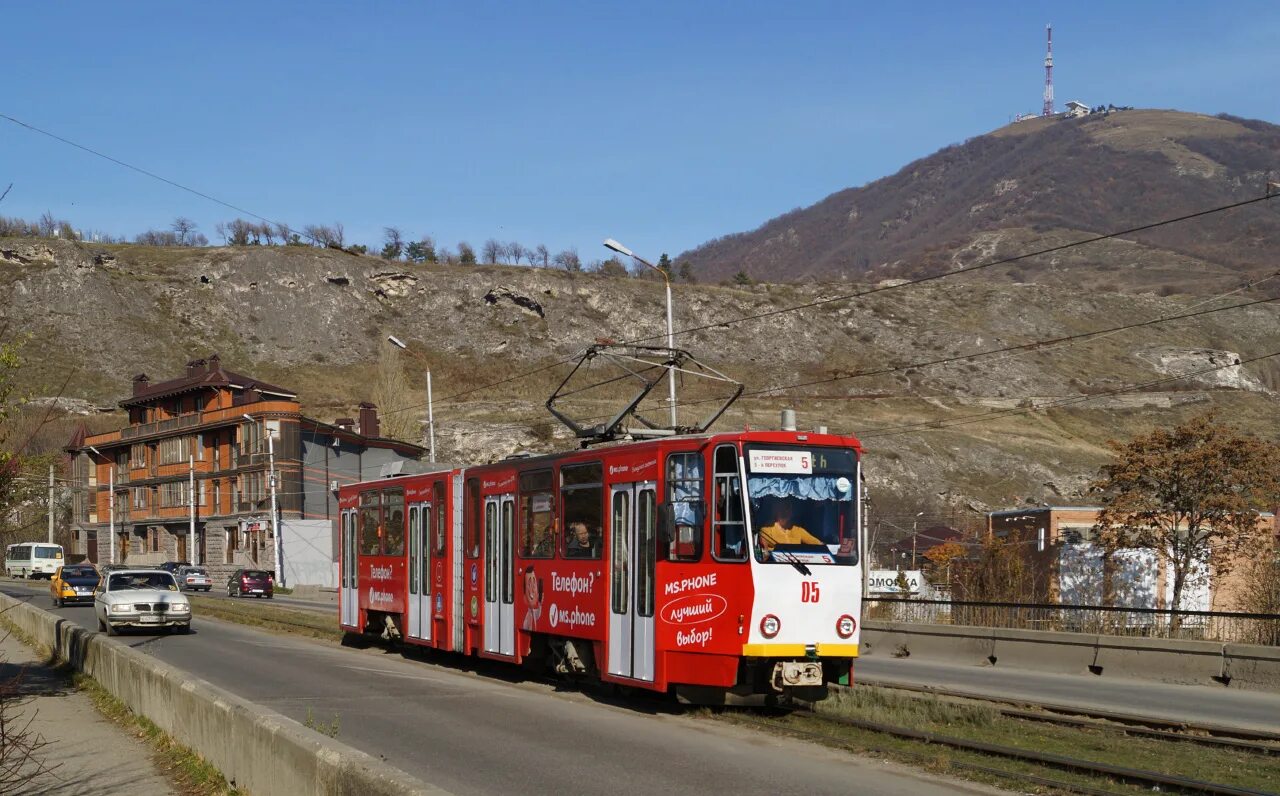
<point x="660" y="124"/>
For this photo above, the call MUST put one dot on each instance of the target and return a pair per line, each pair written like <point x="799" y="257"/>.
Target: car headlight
<point x="179" y="608"/>
<point x="119" y="609"/>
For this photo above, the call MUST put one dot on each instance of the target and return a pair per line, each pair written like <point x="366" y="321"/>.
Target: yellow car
<point x="73" y="583"/>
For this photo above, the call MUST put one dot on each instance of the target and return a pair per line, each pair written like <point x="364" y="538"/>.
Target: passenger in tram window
<point x="783" y="531"/>
<point x="582" y="543"/>
<point x="533" y="598"/>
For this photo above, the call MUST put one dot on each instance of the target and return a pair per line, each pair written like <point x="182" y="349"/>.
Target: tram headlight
<point x="845" y="626"/>
<point x="770" y="625"/>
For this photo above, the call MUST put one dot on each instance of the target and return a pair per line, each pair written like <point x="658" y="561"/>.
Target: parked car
<point x="73" y="583"/>
<point x="172" y="567"/>
<point x="257" y="582"/>
<point x="194" y="579"/>
<point x="147" y="598"/>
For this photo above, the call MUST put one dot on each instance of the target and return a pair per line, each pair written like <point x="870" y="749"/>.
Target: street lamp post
<point x="111" y="504"/>
<point x="612" y="244"/>
<point x="913" y="539"/>
<point x="431" y="417"/>
<point x="271" y="480"/>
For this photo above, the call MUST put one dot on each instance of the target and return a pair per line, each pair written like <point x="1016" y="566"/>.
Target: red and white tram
<point x="724" y="566"/>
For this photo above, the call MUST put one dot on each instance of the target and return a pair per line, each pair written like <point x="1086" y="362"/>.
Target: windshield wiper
<point x="793" y="561"/>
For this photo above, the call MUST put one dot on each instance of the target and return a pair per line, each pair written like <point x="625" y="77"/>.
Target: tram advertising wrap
<point x="724" y="567"/>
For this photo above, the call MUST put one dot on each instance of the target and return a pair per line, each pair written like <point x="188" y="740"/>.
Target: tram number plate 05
<point x="809" y="591"/>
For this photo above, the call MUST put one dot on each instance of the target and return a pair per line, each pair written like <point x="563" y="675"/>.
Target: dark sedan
<point x="256" y="582"/>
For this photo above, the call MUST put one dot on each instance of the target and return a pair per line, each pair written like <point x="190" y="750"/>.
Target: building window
<point x="176" y="450"/>
<point x="138" y="455"/>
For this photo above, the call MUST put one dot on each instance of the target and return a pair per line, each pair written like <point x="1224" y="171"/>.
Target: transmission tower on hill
<point x="1048" y="73"/>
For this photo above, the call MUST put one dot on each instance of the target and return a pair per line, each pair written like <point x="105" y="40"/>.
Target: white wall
<point x="308" y="553"/>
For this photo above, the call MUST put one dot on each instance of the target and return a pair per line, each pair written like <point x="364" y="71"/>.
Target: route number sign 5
<point x="808" y="591"/>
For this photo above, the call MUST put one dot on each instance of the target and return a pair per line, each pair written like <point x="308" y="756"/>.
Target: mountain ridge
<point x="1094" y="174"/>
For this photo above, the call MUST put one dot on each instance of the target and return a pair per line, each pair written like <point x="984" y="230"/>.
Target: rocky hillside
<point x="316" y="321"/>
<point x="1035" y="181"/>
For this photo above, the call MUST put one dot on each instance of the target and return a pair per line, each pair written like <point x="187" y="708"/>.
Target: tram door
<point x="419" y="607"/>
<point x="350" y="607"/>
<point x="633" y="554"/>
<point x="499" y="575"/>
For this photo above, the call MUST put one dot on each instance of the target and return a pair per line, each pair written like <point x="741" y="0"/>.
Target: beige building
<point x="1069" y="569"/>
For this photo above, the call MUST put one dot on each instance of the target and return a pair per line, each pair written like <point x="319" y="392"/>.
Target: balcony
<point x="161" y="426"/>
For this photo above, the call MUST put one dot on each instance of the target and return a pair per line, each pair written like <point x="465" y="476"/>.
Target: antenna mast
<point x="1048" y="73"/>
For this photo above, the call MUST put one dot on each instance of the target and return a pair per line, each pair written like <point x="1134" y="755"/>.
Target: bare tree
<point x="393" y="243"/>
<point x="392" y="392"/>
<point x="568" y="260"/>
<point x="516" y="251"/>
<point x="491" y="251"/>
<point x="182" y="227"/>
<point x="540" y="255"/>
<point x="268" y="232"/>
<point x="1192" y="494"/>
<point x="283" y="232"/>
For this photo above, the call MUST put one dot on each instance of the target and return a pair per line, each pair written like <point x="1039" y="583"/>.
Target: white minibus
<point x="31" y="559"/>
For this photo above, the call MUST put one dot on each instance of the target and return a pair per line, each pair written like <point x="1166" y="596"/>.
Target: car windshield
<point x="48" y="552"/>
<point x="121" y="581"/>
<point x="803" y="504"/>
<point x="195" y="571"/>
<point x="79" y="572"/>
<point x="255" y="574"/>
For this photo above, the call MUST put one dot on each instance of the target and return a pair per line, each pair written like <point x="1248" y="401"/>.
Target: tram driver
<point x="783" y="530"/>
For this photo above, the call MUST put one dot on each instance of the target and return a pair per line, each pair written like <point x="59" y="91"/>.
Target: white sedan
<point x="145" y="598"/>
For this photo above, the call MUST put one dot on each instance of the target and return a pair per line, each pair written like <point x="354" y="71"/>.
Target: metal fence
<point x="1220" y="626"/>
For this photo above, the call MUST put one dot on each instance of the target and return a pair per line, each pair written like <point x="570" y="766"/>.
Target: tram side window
<point x="491" y="552"/>
<point x="728" y="530"/>
<point x="440" y="515"/>
<point x="647" y="547"/>
<point x="621" y="556"/>
<point x="472" y="514"/>
<point x="536" y="515"/>
<point x="370" y="524"/>
<point x="393" y="516"/>
<point x="582" y="504"/>
<point x="685" y="493"/>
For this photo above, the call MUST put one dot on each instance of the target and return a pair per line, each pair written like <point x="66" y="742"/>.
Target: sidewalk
<point x="89" y="755"/>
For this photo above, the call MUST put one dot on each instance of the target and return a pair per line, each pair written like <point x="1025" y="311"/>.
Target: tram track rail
<point x="1205" y="734"/>
<point x="1154" y="780"/>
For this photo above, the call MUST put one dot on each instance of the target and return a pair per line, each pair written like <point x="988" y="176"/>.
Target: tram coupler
<point x="789" y="674"/>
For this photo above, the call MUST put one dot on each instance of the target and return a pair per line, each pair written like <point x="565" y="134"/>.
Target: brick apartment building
<point x="211" y="426"/>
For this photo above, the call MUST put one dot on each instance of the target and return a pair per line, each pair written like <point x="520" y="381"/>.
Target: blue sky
<point x="659" y="124"/>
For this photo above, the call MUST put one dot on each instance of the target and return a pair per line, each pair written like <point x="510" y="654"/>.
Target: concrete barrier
<point x="255" y="748"/>
<point x="1161" y="660"/>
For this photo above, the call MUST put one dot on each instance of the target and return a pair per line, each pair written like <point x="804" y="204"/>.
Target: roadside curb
<point x="255" y="748"/>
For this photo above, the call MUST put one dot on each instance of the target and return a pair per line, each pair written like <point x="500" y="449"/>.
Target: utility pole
<point x="191" y="505"/>
<point x="51" y="504"/>
<point x="111" y="502"/>
<point x="275" y="522"/>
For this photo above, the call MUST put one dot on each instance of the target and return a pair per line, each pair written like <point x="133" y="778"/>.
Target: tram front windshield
<point x="803" y="504"/>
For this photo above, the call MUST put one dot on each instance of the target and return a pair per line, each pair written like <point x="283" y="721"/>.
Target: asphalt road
<point x="478" y="733"/>
<point x="1193" y="703"/>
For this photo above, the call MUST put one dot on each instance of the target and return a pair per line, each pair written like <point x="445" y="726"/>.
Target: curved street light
<point x="613" y="245"/>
